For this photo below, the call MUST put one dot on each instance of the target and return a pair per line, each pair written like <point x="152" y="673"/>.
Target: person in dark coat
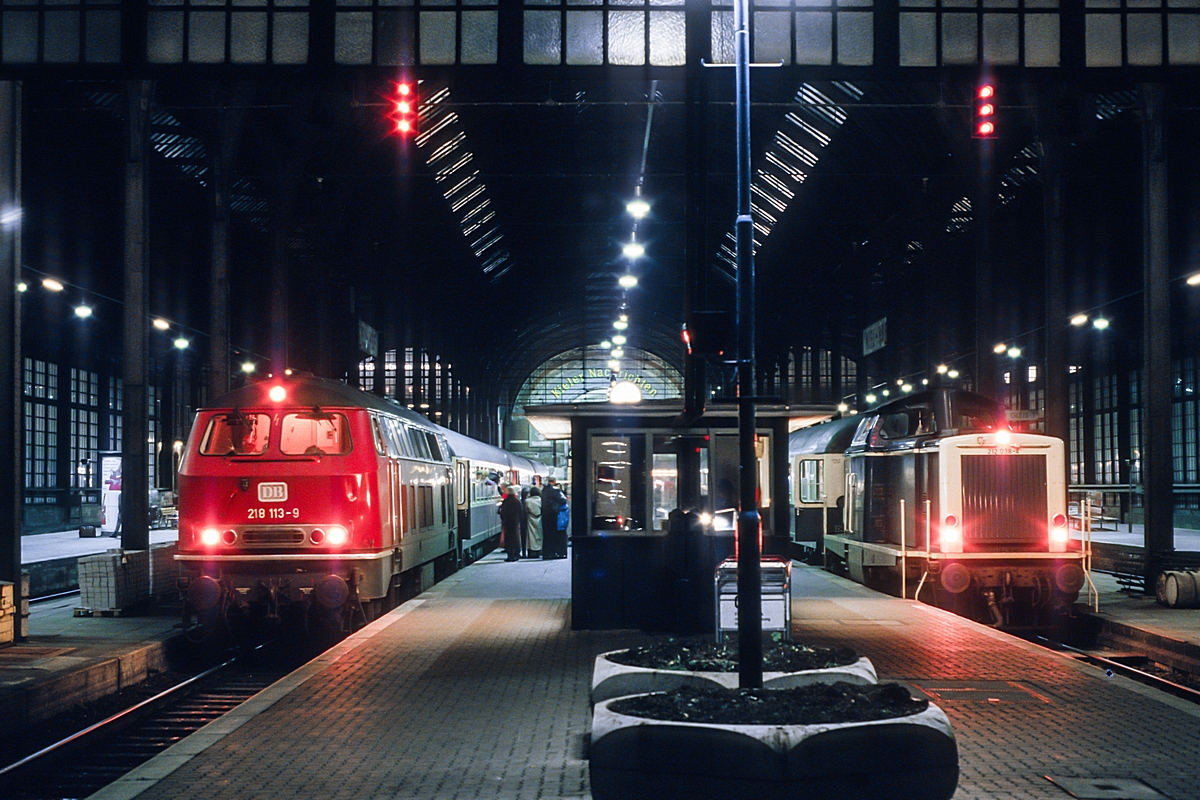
<point x="554" y="539"/>
<point x="524" y="523"/>
<point x="511" y="513"/>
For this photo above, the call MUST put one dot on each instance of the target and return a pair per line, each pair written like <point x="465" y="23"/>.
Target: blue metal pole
<point x="749" y="582"/>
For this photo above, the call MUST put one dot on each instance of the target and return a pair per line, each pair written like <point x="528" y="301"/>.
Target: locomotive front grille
<point x="273" y="536"/>
<point x="1004" y="499"/>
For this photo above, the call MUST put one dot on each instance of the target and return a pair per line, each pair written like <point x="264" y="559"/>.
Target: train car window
<point x="377" y="433"/>
<point x="308" y="434"/>
<point x="236" y="434"/>
<point x="461" y="484"/>
<point x="811" y="476"/>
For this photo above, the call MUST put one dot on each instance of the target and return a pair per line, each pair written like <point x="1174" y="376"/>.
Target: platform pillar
<point x="1157" y="469"/>
<point x="11" y="472"/>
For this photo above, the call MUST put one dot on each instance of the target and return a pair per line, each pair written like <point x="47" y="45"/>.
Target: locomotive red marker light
<point x="209" y="537"/>
<point x="277" y="394"/>
<point x="229" y="537"/>
<point x="338" y="536"/>
<point x="317" y="536"/>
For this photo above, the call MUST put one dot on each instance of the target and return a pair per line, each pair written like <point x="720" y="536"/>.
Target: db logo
<point x="272" y="492"/>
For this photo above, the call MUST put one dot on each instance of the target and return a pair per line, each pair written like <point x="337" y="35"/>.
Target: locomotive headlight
<point x="951" y="535"/>
<point x="209" y="537"/>
<point x="1003" y="437"/>
<point x="337" y="535"/>
<point x="1059" y="533"/>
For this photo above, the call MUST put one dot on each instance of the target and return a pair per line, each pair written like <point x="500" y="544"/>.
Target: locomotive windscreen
<point x="1004" y="498"/>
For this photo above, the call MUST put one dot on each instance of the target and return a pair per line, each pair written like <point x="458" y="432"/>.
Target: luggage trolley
<point x="776" y="597"/>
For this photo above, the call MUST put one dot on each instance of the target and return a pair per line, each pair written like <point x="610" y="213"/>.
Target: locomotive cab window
<point x="237" y="434"/>
<point x="314" y="434"/>
<point x="969" y="415"/>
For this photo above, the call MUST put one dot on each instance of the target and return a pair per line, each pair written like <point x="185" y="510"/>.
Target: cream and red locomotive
<point x="305" y="497"/>
<point x="934" y="493"/>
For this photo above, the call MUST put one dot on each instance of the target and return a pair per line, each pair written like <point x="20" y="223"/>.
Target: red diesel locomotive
<point x="304" y="497"/>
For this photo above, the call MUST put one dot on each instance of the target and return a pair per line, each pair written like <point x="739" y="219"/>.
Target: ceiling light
<point x="618" y="339"/>
<point x="161" y="324"/>
<point x="620" y="324"/>
<point x="1079" y="319"/>
<point x="637" y="208"/>
<point x="871" y="398"/>
<point x="1014" y="352"/>
<point x="52" y="285"/>
<point x="625" y="392"/>
<point x="1100" y="323"/>
<point x="942" y="369"/>
<point x="614" y="365"/>
<point x="82" y="311"/>
<point x="952" y="374"/>
<point x="606" y="344"/>
<point x="247" y="367"/>
<point x="1193" y="280"/>
<point x="1000" y="348"/>
<point x="181" y="343"/>
<point x="618" y="352"/>
<point x="627" y="281"/>
<point x="633" y="250"/>
<point x="22" y="286"/>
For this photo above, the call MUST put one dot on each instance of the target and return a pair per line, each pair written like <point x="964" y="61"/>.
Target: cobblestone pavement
<point x="478" y="689"/>
<point x="1020" y="713"/>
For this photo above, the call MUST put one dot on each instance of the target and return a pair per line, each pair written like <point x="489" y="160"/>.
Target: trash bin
<point x="776" y="597"/>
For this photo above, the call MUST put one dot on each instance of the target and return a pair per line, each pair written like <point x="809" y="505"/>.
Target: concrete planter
<point x="610" y="679"/>
<point x="904" y="758"/>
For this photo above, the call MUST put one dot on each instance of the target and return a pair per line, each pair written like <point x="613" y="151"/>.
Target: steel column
<point x="1157" y="468"/>
<point x="135" y="449"/>
<point x="12" y="479"/>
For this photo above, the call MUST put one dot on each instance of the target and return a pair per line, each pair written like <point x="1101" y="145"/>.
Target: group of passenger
<point x="529" y="521"/>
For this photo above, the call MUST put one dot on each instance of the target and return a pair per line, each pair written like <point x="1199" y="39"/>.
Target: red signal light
<point x="404" y="107"/>
<point x="985" y="111"/>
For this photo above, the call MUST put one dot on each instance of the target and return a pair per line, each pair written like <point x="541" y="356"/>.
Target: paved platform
<point x="479" y="689"/>
<point x="69" y="544"/>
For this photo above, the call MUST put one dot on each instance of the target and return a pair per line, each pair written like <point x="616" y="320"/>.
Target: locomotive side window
<point x="417" y="443"/>
<point x="863" y="430"/>
<point x="237" y="434"/>
<point x="377" y="431"/>
<point x="435" y="449"/>
<point x="314" y="434"/>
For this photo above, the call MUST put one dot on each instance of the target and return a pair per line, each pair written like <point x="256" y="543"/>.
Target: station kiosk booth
<point x="652" y="496"/>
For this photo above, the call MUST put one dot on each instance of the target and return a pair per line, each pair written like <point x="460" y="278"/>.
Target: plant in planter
<point x="822" y="741"/>
<point x="705" y="663"/>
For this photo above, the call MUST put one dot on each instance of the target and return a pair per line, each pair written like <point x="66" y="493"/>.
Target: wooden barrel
<point x="1181" y="589"/>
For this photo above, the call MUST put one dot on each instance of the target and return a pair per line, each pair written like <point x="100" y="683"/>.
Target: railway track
<point x="89" y="760"/>
<point x="1125" y="665"/>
